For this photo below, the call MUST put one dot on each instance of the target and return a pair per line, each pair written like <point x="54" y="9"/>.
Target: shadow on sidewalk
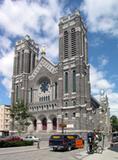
<point x="114" y="147"/>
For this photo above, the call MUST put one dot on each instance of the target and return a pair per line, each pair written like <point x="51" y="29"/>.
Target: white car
<point x="31" y="138"/>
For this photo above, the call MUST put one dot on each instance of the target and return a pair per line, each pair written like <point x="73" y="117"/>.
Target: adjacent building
<point x="4" y="117"/>
<point x="56" y="92"/>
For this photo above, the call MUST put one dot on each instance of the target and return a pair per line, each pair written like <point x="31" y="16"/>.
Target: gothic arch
<point x="34" y="122"/>
<point x="43" y="120"/>
<point x="53" y="118"/>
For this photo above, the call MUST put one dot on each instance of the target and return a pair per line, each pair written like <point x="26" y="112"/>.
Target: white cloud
<point x="96" y="42"/>
<point x="101" y="15"/>
<point x="18" y="18"/>
<point x="99" y="82"/>
<point x="103" y="61"/>
<point x="6" y="70"/>
<point x="5" y="43"/>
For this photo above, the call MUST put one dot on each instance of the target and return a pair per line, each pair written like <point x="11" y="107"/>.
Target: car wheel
<point x="69" y="148"/>
<point x="54" y="149"/>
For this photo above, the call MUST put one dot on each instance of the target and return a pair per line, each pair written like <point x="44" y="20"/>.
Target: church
<point x="58" y="94"/>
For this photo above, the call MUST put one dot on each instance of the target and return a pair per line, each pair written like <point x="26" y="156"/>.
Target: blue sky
<point x="40" y="18"/>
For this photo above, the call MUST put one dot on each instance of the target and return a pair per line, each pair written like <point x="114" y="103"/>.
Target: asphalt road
<point x="45" y="153"/>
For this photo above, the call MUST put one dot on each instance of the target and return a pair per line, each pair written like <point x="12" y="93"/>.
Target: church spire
<point x="43" y="51"/>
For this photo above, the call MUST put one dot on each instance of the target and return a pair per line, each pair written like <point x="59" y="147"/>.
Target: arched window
<point x="66" y="115"/>
<point x="29" y="65"/>
<point x="31" y="95"/>
<point x="74" y="114"/>
<point x="74" y="80"/>
<point x="66" y="82"/>
<point x="74" y="103"/>
<point x="18" y="62"/>
<point x="22" y="65"/>
<point x="33" y="63"/>
<point x="66" y="104"/>
<point x="55" y="90"/>
<point x="52" y="106"/>
<point x="73" y="42"/>
<point x="65" y="44"/>
<point x="17" y="93"/>
<point x="47" y="107"/>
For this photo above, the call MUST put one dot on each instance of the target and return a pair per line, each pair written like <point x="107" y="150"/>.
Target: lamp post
<point x="62" y="122"/>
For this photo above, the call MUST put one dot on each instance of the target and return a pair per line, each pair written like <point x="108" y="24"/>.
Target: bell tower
<point x="74" y="67"/>
<point x="25" y="60"/>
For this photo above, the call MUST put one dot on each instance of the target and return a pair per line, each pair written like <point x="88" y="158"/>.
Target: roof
<point x="94" y="102"/>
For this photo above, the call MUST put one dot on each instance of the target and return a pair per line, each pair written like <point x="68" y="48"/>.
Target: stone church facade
<point x="57" y="92"/>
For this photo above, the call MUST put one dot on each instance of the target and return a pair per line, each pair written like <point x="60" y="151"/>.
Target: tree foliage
<point x="114" y="123"/>
<point x="20" y="116"/>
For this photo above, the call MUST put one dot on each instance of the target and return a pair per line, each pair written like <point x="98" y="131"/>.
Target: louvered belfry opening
<point x="73" y="42"/>
<point x="65" y="44"/>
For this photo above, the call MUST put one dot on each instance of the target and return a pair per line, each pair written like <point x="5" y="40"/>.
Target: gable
<point x="43" y="63"/>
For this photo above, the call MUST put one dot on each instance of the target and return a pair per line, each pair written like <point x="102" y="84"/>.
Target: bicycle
<point x="95" y="148"/>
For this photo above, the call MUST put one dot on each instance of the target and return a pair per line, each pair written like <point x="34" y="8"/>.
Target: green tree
<point x="114" y="123"/>
<point x="20" y="116"/>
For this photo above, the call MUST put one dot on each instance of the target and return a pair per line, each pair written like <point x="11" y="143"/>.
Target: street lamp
<point x="62" y="122"/>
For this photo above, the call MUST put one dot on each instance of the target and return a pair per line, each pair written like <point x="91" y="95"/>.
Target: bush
<point x="15" y="143"/>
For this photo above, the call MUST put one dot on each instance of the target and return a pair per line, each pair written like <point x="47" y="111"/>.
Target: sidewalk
<point x="108" y="154"/>
<point x="10" y="150"/>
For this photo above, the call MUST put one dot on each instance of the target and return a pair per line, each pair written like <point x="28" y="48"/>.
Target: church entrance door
<point x="54" y="123"/>
<point x="44" y="124"/>
<point x="35" y="124"/>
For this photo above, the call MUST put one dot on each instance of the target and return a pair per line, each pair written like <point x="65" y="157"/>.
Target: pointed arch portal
<point x="54" y="123"/>
<point x="44" y="123"/>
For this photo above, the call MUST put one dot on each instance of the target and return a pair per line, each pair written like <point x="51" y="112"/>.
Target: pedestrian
<point x="90" y="141"/>
<point x="38" y="144"/>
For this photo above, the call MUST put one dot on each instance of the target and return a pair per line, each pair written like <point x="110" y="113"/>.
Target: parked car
<point x="32" y="138"/>
<point x="115" y="137"/>
<point x="66" y="142"/>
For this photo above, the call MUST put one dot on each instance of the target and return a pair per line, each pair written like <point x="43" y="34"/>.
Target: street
<point x="45" y="153"/>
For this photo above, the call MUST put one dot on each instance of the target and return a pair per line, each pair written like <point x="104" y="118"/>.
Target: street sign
<point x="70" y="125"/>
<point x="62" y="125"/>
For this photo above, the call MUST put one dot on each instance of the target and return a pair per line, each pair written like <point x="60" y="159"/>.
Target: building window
<point x="22" y="65"/>
<point x="74" y="103"/>
<point x="33" y="65"/>
<point x="66" y="104"/>
<point x="52" y="106"/>
<point x="74" y="80"/>
<point x="66" y="115"/>
<point x="66" y="82"/>
<point x="55" y="90"/>
<point x="18" y="62"/>
<point x="74" y="114"/>
<point x="47" y="107"/>
<point x="73" y="42"/>
<point x="65" y="44"/>
<point x="31" y="95"/>
<point x="29" y="66"/>
<point x="17" y="93"/>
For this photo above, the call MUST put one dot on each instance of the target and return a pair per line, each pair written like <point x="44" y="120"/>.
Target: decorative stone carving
<point x="43" y="63"/>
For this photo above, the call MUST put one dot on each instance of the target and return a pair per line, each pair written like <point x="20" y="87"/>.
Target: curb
<point x="13" y="152"/>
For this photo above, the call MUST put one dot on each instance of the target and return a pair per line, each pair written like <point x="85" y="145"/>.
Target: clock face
<point x="44" y="86"/>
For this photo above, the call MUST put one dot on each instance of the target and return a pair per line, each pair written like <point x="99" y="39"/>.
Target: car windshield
<point x="115" y="134"/>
